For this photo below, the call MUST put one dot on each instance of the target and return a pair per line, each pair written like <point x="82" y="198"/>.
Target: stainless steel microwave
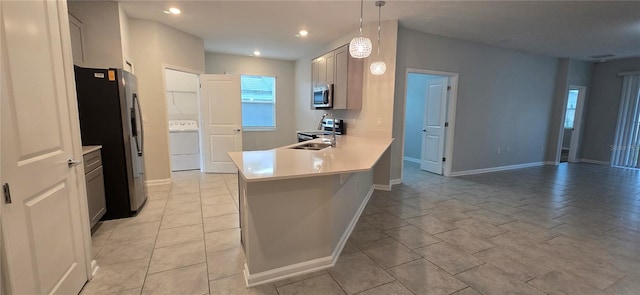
<point x="323" y="96"/>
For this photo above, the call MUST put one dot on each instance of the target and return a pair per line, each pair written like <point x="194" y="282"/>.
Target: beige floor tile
<point x="358" y="273"/>
<point x="124" y="251"/>
<point x="411" y="236"/>
<point x="211" y="211"/>
<point x="499" y="208"/>
<point x="177" y="256"/>
<point x="422" y="277"/>
<point x="225" y="263"/>
<point x="361" y="236"/>
<point x="235" y="285"/>
<point x="217" y="200"/>
<point x="626" y="286"/>
<point x="179" y="220"/>
<point x="221" y="240"/>
<point x="467" y="291"/>
<point x="487" y="279"/>
<point x="489" y="217"/>
<point x="465" y="241"/>
<point x="393" y="288"/>
<point x="219" y="223"/>
<point x="431" y="224"/>
<point x="384" y="221"/>
<point x="298" y="278"/>
<point x="388" y="253"/>
<point x="446" y="214"/>
<point x="181" y="199"/>
<point x="479" y="228"/>
<point x="529" y="230"/>
<point x="556" y="282"/>
<point x="182" y="208"/>
<point x="210" y="192"/>
<point x="117" y="277"/>
<point x="180" y="235"/>
<point x="190" y="280"/>
<point x="404" y="211"/>
<point x="127" y="232"/>
<point x="449" y="257"/>
<point x="320" y="285"/>
<point x="146" y="215"/>
<point x="512" y="263"/>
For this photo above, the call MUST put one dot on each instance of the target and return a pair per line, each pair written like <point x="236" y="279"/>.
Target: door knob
<point x="72" y="162"/>
<point x="424" y="130"/>
<point x="237" y="129"/>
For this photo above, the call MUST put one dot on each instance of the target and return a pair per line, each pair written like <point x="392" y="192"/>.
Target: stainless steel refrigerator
<point x="110" y="116"/>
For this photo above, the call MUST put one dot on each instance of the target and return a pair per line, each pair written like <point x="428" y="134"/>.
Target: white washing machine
<point x="184" y="144"/>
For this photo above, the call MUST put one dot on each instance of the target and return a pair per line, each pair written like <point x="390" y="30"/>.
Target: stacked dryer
<point x="185" y="145"/>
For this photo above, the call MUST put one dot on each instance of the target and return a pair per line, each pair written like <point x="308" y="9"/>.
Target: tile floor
<point x="572" y="229"/>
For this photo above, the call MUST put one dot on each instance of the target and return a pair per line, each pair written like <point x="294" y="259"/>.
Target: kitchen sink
<point x="312" y="146"/>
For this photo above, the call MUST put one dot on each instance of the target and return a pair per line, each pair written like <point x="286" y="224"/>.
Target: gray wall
<point x="504" y="99"/>
<point x="285" y="133"/>
<point x="602" y="107"/>
<point x="414" y="114"/>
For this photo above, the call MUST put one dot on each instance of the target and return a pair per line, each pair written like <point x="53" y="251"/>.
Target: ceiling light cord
<point x="379" y="13"/>
<point x="361" y="15"/>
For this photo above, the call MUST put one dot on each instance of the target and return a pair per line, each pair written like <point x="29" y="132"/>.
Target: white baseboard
<point x="396" y="181"/>
<point x="94" y="269"/>
<point x="413" y="160"/>
<point x="553" y="163"/>
<point x="382" y="187"/>
<point x="308" y="266"/>
<point x="496" y="169"/>
<point x="155" y="184"/>
<point x="595" y="162"/>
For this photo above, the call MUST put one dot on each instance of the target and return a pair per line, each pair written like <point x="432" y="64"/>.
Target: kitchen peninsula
<point x="298" y="207"/>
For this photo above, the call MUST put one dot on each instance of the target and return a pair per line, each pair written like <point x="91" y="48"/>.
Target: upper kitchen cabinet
<point x="347" y="88"/>
<point x="344" y="72"/>
<point x="322" y="69"/>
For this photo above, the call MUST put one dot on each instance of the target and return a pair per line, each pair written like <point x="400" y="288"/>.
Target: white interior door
<point x="221" y="121"/>
<point x="42" y="225"/>
<point x="577" y="124"/>
<point x="434" y="120"/>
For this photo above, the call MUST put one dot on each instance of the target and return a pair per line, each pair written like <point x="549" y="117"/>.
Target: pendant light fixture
<point x="378" y="67"/>
<point x="360" y="47"/>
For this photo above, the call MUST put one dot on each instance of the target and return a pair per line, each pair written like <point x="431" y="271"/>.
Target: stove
<point x="327" y="125"/>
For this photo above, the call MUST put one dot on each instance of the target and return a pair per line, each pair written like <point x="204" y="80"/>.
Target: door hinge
<point x="444" y="159"/>
<point x="448" y="88"/>
<point x="7" y="193"/>
<point x="446" y="124"/>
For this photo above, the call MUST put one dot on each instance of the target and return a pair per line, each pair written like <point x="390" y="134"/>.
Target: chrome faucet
<point x="333" y="127"/>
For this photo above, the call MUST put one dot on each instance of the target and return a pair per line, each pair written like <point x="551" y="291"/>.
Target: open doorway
<point x="183" y="113"/>
<point x="570" y="135"/>
<point x="429" y="119"/>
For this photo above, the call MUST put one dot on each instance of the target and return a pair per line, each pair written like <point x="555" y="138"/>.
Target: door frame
<point x="166" y="66"/>
<point x="451" y="116"/>
<point x="577" y="124"/>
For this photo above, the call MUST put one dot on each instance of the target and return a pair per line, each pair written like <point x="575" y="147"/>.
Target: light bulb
<point x="378" y="68"/>
<point x="360" y="47"/>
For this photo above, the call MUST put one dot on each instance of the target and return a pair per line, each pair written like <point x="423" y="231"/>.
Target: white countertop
<point x="90" y="148"/>
<point x="352" y="154"/>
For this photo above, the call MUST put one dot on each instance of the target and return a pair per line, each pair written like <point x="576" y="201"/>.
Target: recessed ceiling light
<point x="172" y="10"/>
<point x="303" y="33"/>
<point x="257" y="53"/>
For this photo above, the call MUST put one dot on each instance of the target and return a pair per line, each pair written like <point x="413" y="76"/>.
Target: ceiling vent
<point x="602" y="56"/>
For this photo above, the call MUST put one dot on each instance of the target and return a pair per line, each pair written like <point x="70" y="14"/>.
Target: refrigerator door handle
<point x="139" y="112"/>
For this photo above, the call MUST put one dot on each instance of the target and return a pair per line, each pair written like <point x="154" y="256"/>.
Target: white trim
<point x="595" y="162"/>
<point x="382" y="187"/>
<point x="395" y="181"/>
<point x="451" y="117"/>
<point x="629" y="73"/>
<point x="413" y="160"/>
<point x="94" y="269"/>
<point x="157" y="182"/>
<point x="297" y="269"/>
<point x="553" y="163"/>
<point x="495" y="169"/>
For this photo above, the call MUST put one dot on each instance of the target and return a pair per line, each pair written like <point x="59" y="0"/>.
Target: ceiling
<point x="576" y="29"/>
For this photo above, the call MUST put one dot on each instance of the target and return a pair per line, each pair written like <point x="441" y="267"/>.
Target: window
<point x="571" y="108"/>
<point x="258" y="102"/>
